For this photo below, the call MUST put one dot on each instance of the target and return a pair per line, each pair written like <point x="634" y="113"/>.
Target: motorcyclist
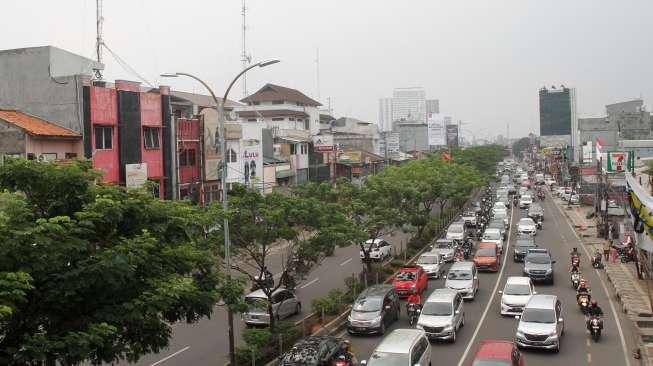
<point x="414" y="299"/>
<point x="595" y="309"/>
<point x="583" y="289"/>
<point x="346" y="354"/>
<point x="573" y="268"/>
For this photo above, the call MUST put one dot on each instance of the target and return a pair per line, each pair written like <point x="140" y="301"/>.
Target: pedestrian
<point x="606" y="249"/>
<point x="613" y="255"/>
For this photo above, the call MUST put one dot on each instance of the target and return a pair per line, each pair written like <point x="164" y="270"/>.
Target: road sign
<point x="620" y="161"/>
<point x="323" y="143"/>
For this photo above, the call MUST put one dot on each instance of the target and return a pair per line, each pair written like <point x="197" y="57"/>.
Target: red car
<point x="498" y="353"/>
<point x="408" y="279"/>
<point x="487" y="257"/>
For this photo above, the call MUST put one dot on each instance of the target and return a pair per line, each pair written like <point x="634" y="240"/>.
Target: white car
<point x="493" y="236"/>
<point x="574" y="199"/>
<point x="379" y="249"/>
<point x="456" y="231"/>
<point x="525" y="201"/>
<point x="527" y="226"/>
<point x="503" y="215"/>
<point x="432" y="263"/>
<point x="515" y="295"/>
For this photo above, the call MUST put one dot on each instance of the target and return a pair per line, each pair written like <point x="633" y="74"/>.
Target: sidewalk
<point x="631" y="292"/>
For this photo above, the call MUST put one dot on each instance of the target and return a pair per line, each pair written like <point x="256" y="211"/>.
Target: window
<point x="251" y="120"/>
<point x="187" y="157"/>
<point x="291" y="118"/>
<point x="103" y="138"/>
<point x="277" y="102"/>
<point x="278" y="119"/>
<point x="303" y="149"/>
<point x="307" y="124"/>
<point x="293" y="149"/>
<point x="232" y="157"/>
<point x="151" y="137"/>
<point x="418" y="351"/>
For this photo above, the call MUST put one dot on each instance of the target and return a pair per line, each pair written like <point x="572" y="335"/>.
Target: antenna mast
<point x="317" y="64"/>
<point x="99" y="42"/>
<point x="245" y="58"/>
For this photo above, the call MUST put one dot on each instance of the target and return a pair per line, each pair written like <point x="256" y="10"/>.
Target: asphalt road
<point x="483" y="320"/>
<point x="206" y="342"/>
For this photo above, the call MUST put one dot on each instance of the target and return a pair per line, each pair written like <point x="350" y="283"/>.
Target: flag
<point x="599" y="146"/>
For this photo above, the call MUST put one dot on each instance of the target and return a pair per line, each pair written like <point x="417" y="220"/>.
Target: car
<point x="410" y="278"/>
<point x="538" y="265"/>
<point x="306" y="350"/>
<point x="284" y="304"/>
<point x="487" y="257"/>
<point x="469" y="217"/>
<point x="463" y="277"/>
<point x="574" y="199"/>
<point x="374" y="310"/>
<point x="378" y="249"/>
<point x="526" y="226"/>
<point x="512" y="189"/>
<point x="402" y="347"/>
<point x="498" y="353"/>
<point x="498" y="224"/>
<point x="442" y="315"/>
<point x="456" y="231"/>
<point x="432" y="263"/>
<point x="525" y="201"/>
<point x="503" y="215"/>
<point x="549" y="182"/>
<point x="493" y="236"/>
<point x="499" y="206"/>
<point x="559" y="191"/>
<point x="445" y="247"/>
<point x="541" y="324"/>
<point x="476" y="207"/>
<point x="535" y="212"/>
<point x="515" y="295"/>
<point x="521" y="247"/>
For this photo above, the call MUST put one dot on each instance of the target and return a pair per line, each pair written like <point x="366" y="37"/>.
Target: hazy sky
<point x="485" y="60"/>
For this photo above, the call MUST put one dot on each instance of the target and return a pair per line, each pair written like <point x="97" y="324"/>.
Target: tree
<point x="520" y="145"/>
<point x="92" y="272"/>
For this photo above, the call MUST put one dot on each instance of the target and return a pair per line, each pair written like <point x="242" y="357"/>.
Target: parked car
<point x="526" y="226"/>
<point x="456" y="231"/>
<point x="284" y="304"/>
<point x="402" y="347"/>
<point x="432" y="263"/>
<point x="445" y="247"/>
<point x="313" y="351"/>
<point x="463" y="277"/>
<point x="541" y="324"/>
<point x="442" y="315"/>
<point x="487" y="257"/>
<point x="521" y="247"/>
<point x="525" y="201"/>
<point x="538" y="265"/>
<point x="408" y="279"/>
<point x="493" y="236"/>
<point x="374" y="310"/>
<point x="515" y="295"/>
<point x="498" y="353"/>
<point x="379" y="249"/>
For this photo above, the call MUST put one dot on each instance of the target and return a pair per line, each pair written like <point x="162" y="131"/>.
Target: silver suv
<point x="538" y="265"/>
<point x="442" y="315"/>
<point x="541" y="324"/>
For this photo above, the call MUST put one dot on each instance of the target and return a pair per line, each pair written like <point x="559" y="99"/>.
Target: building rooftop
<point x="36" y="126"/>
<point x="201" y="100"/>
<point x="271" y="92"/>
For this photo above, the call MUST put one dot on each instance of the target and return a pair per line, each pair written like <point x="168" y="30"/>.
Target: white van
<point x="402" y="347"/>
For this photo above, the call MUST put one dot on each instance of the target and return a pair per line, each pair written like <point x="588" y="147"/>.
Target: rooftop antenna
<point x="99" y="42"/>
<point x="245" y="58"/>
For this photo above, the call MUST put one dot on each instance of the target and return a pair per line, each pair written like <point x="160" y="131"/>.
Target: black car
<point x="374" y="310"/>
<point x="313" y="351"/>
<point x="521" y="247"/>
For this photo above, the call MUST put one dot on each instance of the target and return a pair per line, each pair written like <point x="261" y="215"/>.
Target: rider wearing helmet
<point x="414" y="299"/>
<point x="583" y="289"/>
<point x="574" y="268"/>
<point x="595" y="309"/>
<point x="346" y="354"/>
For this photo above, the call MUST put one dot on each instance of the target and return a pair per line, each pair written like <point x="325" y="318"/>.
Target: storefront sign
<point x="620" y="161"/>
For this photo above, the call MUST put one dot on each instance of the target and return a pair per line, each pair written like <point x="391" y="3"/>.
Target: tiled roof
<point x="34" y="125"/>
<point x="201" y="100"/>
<point x="271" y="92"/>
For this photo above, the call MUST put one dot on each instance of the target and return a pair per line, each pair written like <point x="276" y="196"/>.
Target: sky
<point x="484" y="60"/>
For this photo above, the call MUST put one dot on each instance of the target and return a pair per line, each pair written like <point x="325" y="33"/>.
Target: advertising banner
<point x="323" y="143"/>
<point x="620" y="161"/>
<point x="252" y="161"/>
<point x="136" y="175"/>
<point x="452" y="135"/>
<point x="436" y="130"/>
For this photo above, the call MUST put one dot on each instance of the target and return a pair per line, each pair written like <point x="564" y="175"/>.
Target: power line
<point x="126" y="66"/>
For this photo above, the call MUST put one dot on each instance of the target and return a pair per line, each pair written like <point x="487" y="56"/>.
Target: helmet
<point x="594" y="303"/>
<point x="583" y="282"/>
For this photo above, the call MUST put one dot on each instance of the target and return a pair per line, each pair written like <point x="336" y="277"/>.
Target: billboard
<point x="620" y="161"/>
<point x="136" y="175"/>
<point x="452" y="135"/>
<point x="436" y="130"/>
<point x="392" y="142"/>
<point x="323" y="143"/>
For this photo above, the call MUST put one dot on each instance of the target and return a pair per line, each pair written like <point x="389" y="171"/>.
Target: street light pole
<point x="220" y="106"/>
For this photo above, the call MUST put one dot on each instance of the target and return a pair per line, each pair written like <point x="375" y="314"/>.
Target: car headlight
<point x="549" y="271"/>
<point x="419" y="326"/>
<point x="520" y="333"/>
<point x="526" y="271"/>
<point x="413" y="287"/>
<point x="377" y="320"/>
<point x="448" y="328"/>
<point x="553" y="335"/>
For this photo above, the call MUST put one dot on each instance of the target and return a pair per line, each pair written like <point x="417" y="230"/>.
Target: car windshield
<point x="526" y="222"/>
<point x="469" y="213"/>
<point x="500" y="215"/>
<point x="256" y="304"/>
<point x="456" y="229"/>
<point x="525" y="244"/>
<point x="406" y="276"/>
<point x="492" y="235"/>
<point x="517" y="289"/>
<point x="496" y="225"/>
<point x="443" y="245"/>
<point x="486" y="252"/>
<point x="491" y="362"/>
<point x="437" y="308"/>
<point x="531" y="315"/>
<point x="538" y="259"/>
<point x="368" y="304"/>
<point x="526" y="197"/>
<point x="428" y="259"/>
<point x="388" y="359"/>
<point x="459" y="275"/>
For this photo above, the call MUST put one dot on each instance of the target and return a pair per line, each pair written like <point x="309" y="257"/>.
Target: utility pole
<point x="98" y="40"/>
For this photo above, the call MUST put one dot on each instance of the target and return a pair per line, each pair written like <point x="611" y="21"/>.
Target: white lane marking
<point x="310" y="283"/>
<point x="345" y="262"/>
<point x="171" y="356"/>
<point x="605" y="289"/>
<point x="494" y="291"/>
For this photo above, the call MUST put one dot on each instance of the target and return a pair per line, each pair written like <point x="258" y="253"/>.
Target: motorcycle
<point x="583" y="300"/>
<point x="342" y="360"/>
<point x="575" y="260"/>
<point x="413" y="313"/>
<point x="575" y="280"/>
<point x="538" y="223"/>
<point x="595" y="327"/>
<point x="597" y="261"/>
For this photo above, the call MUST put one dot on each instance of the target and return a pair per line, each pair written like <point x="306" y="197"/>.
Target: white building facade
<point x="385" y="114"/>
<point x="409" y="104"/>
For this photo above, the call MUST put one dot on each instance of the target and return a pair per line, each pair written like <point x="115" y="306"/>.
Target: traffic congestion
<point x="500" y="288"/>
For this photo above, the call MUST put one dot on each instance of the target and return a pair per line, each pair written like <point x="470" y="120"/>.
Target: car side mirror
<point x="534" y="292"/>
<point x="444" y="276"/>
<point x="560" y="320"/>
<point x="363" y="363"/>
<point x="553" y="261"/>
<point x="476" y="277"/>
<point x="517" y="317"/>
<point x="388" y="307"/>
<point x="419" y="311"/>
<point x="500" y="292"/>
<point x="457" y="312"/>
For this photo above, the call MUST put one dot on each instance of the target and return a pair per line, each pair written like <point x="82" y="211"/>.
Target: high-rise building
<point x="432" y="106"/>
<point x="385" y="114"/>
<point x="558" y="120"/>
<point x="409" y="104"/>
